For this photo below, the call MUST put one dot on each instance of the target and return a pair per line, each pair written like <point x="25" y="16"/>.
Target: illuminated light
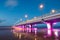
<point x="19" y="36"/>
<point x="41" y="6"/>
<point x="56" y="33"/>
<point x="30" y="28"/>
<point x="49" y="32"/>
<point x="54" y="23"/>
<point x="26" y="16"/>
<point x="23" y="28"/>
<point x="35" y="38"/>
<point x="48" y="26"/>
<point x="15" y="34"/>
<point x="35" y="30"/>
<point x="53" y="11"/>
<point x="49" y="29"/>
<point x="27" y="29"/>
<point x="18" y="28"/>
<point x="35" y="25"/>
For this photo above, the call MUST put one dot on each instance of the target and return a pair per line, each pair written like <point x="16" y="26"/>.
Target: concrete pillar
<point x="35" y="29"/>
<point x="30" y="28"/>
<point x="27" y="29"/>
<point x="49" y="29"/>
<point x="23" y="28"/>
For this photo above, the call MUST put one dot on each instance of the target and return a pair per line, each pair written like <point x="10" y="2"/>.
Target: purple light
<point x="55" y="23"/>
<point x="56" y="33"/>
<point x="49" y="32"/>
<point x="23" y="28"/>
<point x="35" y="25"/>
<point x="35" y="30"/>
<point x="30" y="28"/>
<point x="49" y="29"/>
<point x="27" y="29"/>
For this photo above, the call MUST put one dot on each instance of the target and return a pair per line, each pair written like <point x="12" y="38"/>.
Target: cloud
<point x="11" y="3"/>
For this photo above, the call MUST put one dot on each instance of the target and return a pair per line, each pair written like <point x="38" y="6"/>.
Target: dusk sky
<point x="14" y="10"/>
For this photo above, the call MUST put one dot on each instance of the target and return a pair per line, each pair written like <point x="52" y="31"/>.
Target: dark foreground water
<point x="7" y="35"/>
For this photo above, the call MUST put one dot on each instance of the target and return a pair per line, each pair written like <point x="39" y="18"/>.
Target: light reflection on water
<point x="36" y="32"/>
<point x="20" y="36"/>
<point x="35" y="38"/>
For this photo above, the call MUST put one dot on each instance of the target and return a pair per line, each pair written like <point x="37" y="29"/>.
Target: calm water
<point x="7" y="35"/>
<point x="5" y="32"/>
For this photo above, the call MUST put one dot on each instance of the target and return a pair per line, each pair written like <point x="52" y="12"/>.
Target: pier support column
<point x="30" y="28"/>
<point x="49" y="29"/>
<point x="23" y="28"/>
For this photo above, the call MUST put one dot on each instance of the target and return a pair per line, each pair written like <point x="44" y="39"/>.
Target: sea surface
<point x="7" y="35"/>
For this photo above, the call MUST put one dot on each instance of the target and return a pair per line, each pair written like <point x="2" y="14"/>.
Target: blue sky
<point x="13" y="10"/>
